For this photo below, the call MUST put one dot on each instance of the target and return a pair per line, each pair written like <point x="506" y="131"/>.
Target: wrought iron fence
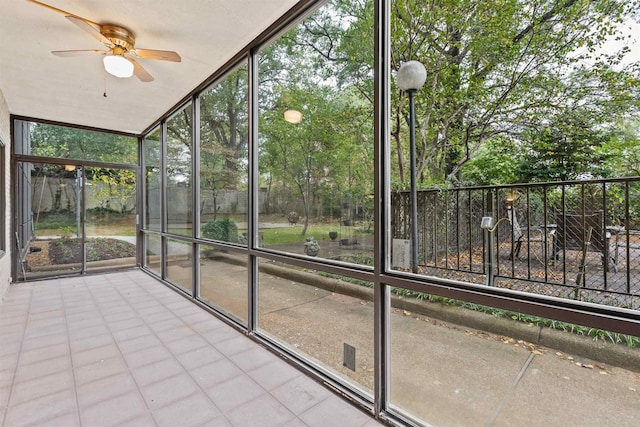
<point x="575" y="239"/>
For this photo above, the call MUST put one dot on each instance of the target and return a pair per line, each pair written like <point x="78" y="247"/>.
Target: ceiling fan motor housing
<point x="119" y="36"/>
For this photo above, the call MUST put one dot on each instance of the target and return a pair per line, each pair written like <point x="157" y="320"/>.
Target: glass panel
<point x="152" y="199"/>
<point x="153" y="245"/>
<point x="179" y="172"/>
<point x="454" y="363"/>
<point x="72" y="143"/>
<point x="180" y="263"/>
<point x="516" y="139"/>
<point x="3" y="194"/>
<point x="224" y="159"/>
<point x="49" y="224"/>
<point x="316" y="136"/>
<point x="316" y="315"/>
<point x="110" y="218"/>
<point x="223" y="281"/>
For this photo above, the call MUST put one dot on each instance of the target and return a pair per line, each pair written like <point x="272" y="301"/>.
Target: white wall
<point x="5" y="137"/>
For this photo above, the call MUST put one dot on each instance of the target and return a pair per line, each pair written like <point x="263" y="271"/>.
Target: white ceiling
<point x="35" y="83"/>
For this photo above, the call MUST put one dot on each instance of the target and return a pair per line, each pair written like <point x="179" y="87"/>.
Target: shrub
<point x="221" y="229"/>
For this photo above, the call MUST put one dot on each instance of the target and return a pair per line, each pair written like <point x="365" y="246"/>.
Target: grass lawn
<point x="292" y="234"/>
<point x="126" y="227"/>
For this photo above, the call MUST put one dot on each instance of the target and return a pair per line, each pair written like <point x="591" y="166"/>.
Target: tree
<point x="565" y="149"/>
<point x="114" y="185"/>
<point x="315" y="154"/>
<point x="499" y="67"/>
<point x="78" y="144"/>
<point x="313" y="69"/>
<point x="495" y="69"/>
<point x="622" y="151"/>
<point x="496" y="162"/>
<point x="224" y="136"/>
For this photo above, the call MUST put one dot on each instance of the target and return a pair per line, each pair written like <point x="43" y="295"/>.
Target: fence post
<point x="487" y="226"/>
<point x="489" y="254"/>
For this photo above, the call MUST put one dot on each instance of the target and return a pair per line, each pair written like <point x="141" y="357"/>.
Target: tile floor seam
<point x="36" y="379"/>
<point x="152" y="412"/>
<point x="129" y="368"/>
<point x="128" y="420"/>
<point x="165" y="296"/>
<point x="73" y="371"/>
<point x="229" y="358"/>
<point x="17" y="362"/>
<point x="232" y="408"/>
<point x="310" y="408"/>
<point x="198" y="385"/>
<point x="307" y="409"/>
<point x="284" y="405"/>
<point x="137" y="350"/>
<point x="161" y="379"/>
<point x="34" y="399"/>
<point x="187" y="371"/>
<point x="246" y="372"/>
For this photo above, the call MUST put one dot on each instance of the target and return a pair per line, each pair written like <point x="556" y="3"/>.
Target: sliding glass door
<point x="110" y="218"/>
<point x="73" y="219"/>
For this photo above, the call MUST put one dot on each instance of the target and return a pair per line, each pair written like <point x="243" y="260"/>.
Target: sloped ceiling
<point x="35" y="83"/>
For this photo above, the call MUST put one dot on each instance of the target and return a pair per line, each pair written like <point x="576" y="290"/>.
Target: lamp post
<point x="411" y="77"/>
<point x="78" y="205"/>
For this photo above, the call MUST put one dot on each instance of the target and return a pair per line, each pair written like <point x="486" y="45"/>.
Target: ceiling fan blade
<point x="163" y="55"/>
<point x="140" y="72"/>
<point x="90" y="29"/>
<point x="66" y="53"/>
<point x="64" y="12"/>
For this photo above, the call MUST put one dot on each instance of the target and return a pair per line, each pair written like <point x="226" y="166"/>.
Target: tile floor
<point x="122" y="349"/>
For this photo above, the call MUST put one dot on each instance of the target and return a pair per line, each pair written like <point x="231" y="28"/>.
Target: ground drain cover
<point x="349" y="357"/>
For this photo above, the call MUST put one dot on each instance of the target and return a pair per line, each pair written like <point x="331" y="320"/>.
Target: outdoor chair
<point x="585" y="233"/>
<point x="527" y="234"/>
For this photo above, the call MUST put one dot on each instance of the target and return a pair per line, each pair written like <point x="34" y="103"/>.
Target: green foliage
<point x="67" y="232"/>
<point x="565" y="149"/>
<point x="224" y="229"/>
<point x="622" y="150"/>
<point x="506" y="68"/>
<point x="224" y="135"/>
<point x="113" y="185"/>
<point x="494" y="163"/>
<point x="324" y="154"/>
<point x="597" y="334"/>
<point x="496" y="70"/>
<point x="92" y="253"/>
<point x="71" y="143"/>
<point x="55" y="220"/>
<point x="281" y="235"/>
<point x="316" y="69"/>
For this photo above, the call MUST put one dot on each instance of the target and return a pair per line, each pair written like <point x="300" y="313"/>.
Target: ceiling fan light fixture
<point x="118" y="65"/>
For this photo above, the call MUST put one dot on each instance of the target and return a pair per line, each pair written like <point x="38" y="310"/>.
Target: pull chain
<point x="104" y="76"/>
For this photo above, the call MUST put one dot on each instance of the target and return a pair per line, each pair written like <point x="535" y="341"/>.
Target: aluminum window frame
<point x="381" y="275"/>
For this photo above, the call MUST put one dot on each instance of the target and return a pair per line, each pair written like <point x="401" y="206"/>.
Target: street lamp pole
<point x="414" y="185"/>
<point x="78" y="205"/>
<point x="411" y="77"/>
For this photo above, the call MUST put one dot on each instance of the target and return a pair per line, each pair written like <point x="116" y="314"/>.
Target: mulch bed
<point x="69" y="251"/>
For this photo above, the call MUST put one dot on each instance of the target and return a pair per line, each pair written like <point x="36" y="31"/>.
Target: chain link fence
<point x="578" y="239"/>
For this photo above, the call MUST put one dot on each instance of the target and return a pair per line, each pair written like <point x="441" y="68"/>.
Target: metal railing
<point x="574" y="239"/>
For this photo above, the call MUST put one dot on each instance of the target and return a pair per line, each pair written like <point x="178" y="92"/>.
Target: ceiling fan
<point x="120" y="42"/>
